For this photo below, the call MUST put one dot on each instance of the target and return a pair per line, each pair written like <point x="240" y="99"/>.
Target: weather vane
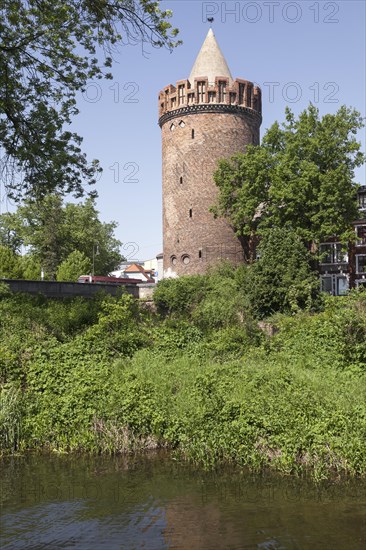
<point x="210" y="19"/>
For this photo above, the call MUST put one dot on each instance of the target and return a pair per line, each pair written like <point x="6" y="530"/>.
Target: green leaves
<point x="49" y="51"/>
<point x="300" y="178"/>
<point x="76" y="264"/>
<point x="53" y="231"/>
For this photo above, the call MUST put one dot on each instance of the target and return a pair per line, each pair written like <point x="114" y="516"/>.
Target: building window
<point x="361" y="235"/>
<point x="222" y="92"/>
<point x="249" y="98"/>
<point x="181" y="180"/>
<point x="232" y="98"/>
<point x="211" y="97"/>
<point x="333" y="253"/>
<point x="201" y="89"/>
<point x="190" y="212"/>
<point x="186" y="259"/>
<point x="341" y="286"/>
<point x="182" y="124"/>
<point x="241" y="93"/>
<point x="192" y="134"/>
<point x="362" y="201"/>
<point x="200" y="253"/>
<point x="360" y="263"/>
<point x="173" y="102"/>
<point x="172" y="127"/>
<point x="173" y="260"/>
<point x="336" y="285"/>
<point x="181" y="96"/>
<point x="326" y="284"/>
<point x="190" y="98"/>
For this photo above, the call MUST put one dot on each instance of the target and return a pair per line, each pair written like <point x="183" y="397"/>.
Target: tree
<point x="41" y="226"/>
<point x="76" y="264"/>
<point x="86" y="233"/>
<point x="52" y="231"/>
<point x="10" y="266"/>
<point x="300" y="178"/>
<point x="281" y="280"/>
<point x="8" y="235"/>
<point x="48" y="53"/>
<point x="31" y="267"/>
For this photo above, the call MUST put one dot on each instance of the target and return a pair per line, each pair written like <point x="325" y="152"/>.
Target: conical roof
<point x="210" y="61"/>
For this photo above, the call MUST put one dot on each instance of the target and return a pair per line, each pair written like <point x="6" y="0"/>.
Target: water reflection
<point x="154" y="502"/>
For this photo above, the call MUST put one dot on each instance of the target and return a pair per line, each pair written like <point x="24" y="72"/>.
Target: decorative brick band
<point x="210" y="108"/>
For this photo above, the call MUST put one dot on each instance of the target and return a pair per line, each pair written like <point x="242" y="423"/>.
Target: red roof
<point x="136" y="268"/>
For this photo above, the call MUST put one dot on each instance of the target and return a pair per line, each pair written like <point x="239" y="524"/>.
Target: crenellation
<point x="241" y="92"/>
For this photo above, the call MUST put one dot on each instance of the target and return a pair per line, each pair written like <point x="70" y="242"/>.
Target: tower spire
<point x="210" y="61"/>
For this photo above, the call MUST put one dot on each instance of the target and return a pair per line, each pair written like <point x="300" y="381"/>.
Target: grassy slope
<point x="129" y="381"/>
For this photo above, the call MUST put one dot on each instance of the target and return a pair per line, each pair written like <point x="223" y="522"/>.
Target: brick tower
<point x="205" y="118"/>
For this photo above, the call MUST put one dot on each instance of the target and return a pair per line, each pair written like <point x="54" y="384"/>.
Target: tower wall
<point x="197" y="130"/>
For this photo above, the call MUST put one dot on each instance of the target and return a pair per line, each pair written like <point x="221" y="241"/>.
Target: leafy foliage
<point x="48" y="53"/>
<point x="75" y="265"/>
<point x="301" y="178"/>
<point x="10" y="266"/>
<point x="53" y="231"/>
<point x="105" y="375"/>
<point x="281" y="280"/>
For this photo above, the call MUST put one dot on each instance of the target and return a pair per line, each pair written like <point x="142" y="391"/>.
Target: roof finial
<point x="210" y="19"/>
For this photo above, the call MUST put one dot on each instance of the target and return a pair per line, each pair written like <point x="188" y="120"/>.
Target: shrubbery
<point x="198" y="377"/>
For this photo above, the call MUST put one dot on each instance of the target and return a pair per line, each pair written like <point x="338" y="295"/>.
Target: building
<point x="344" y="267"/>
<point x="136" y="271"/>
<point x="203" y="118"/>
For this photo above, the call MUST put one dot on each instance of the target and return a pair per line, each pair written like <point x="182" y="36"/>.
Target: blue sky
<point x="300" y="51"/>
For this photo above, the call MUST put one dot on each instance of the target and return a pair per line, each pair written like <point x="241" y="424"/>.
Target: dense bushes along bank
<point x="197" y="376"/>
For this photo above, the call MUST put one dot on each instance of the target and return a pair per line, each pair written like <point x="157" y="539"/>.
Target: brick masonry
<point x="194" y="136"/>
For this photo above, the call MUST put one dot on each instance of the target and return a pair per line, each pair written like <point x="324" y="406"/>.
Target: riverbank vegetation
<point x="197" y="376"/>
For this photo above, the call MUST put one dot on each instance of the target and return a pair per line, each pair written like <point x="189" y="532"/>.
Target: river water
<point x="54" y="502"/>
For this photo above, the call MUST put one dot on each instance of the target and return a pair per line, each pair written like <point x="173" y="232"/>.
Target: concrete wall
<point x="146" y="291"/>
<point x="52" y="289"/>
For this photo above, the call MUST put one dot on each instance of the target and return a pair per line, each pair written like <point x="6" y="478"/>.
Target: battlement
<point x="241" y="93"/>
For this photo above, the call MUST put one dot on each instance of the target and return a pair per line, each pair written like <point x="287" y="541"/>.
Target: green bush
<point x="179" y="296"/>
<point x="109" y="376"/>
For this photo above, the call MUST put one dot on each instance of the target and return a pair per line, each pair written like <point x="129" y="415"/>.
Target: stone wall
<point x="52" y="289"/>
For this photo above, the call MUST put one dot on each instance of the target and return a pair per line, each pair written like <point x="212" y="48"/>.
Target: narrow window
<point x="249" y="98"/>
<point x="201" y="88"/>
<point x="241" y="94"/>
<point x="211" y="97"/>
<point x="200" y="253"/>
<point x="190" y="212"/>
<point x="181" y="179"/>
<point x="222" y="91"/>
<point x="360" y="263"/>
<point x="192" y="134"/>
<point x="181" y="96"/>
